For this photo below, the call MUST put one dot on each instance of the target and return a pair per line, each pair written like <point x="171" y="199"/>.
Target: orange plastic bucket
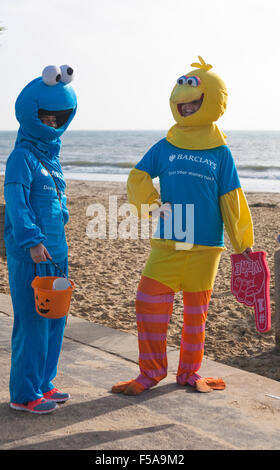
<point x="51" y="303"/>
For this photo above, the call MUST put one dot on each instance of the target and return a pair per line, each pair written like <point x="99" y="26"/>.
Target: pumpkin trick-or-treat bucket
<point x="51" y="303"/>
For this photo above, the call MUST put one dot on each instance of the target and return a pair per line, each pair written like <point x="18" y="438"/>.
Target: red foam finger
<point x="250" y="285"/>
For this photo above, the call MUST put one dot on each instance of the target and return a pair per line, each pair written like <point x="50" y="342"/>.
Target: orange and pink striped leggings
<point x="154" y="305"/>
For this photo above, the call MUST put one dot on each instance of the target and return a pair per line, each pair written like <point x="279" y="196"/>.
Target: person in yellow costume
<point x="200" y="193"/>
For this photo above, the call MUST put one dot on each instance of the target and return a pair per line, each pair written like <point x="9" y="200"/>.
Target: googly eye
<point x="192" y="81"/>
<point x="67" y="73"/>
<point x="182" y="80"/>
<point x="51" y="75"/>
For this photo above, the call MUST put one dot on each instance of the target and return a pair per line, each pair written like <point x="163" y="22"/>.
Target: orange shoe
<point x="131" y="387"/>
<point x="207" y="384"/>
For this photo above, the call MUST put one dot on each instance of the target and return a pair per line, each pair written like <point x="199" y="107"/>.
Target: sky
<point x="128" y="54"/>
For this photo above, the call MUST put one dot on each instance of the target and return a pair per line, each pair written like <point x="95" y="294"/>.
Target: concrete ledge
<point x="107" y="339"/>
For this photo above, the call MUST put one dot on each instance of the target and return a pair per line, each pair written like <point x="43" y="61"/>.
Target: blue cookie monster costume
<point x="36" y="212"/>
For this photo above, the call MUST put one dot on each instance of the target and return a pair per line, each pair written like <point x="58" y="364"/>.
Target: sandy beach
<point x="107" y="271"/>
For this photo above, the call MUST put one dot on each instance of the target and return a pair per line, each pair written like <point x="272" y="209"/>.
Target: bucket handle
<point x="64" y="275"/>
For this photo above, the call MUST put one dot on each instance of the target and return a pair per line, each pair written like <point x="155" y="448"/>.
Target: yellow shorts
<point x="191" y="270"/>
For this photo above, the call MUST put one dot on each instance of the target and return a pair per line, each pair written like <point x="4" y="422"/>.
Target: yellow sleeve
<point x="140" y="192"/>
<point x="237" y="219"/>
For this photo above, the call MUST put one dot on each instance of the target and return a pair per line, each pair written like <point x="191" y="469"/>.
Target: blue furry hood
<point x="52" y="92"/>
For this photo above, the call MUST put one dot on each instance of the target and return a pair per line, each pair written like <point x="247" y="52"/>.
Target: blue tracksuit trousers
<point x="36" y="341"/>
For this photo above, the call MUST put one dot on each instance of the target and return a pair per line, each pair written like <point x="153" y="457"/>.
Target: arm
<point x="237" y="219"/>
<point x="26" y="233"/>
<point x="140" y="190"/>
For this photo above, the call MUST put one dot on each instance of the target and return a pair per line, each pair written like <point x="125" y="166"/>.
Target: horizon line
<point x="148" y="130"/>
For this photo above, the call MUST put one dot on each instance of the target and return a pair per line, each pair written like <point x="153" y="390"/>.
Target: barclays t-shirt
<point x="192" y="181"/>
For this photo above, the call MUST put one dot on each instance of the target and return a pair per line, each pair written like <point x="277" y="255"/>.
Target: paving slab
<point x="167" y="417"/>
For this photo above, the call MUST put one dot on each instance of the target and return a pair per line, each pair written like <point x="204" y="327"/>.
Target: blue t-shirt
<point x="33" y="212"/>
<point x="192" y="181"/>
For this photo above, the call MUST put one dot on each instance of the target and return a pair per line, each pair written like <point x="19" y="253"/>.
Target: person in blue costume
<point x="36" y="212"/>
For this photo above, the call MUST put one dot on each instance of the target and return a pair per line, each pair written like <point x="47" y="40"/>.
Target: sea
<point x="110" y="155"/>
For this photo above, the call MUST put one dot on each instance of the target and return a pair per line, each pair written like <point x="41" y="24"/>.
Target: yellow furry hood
<point x="197" y="130"/>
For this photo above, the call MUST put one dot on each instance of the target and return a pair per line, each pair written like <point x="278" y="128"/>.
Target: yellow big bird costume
<point x="199" y="181"/>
